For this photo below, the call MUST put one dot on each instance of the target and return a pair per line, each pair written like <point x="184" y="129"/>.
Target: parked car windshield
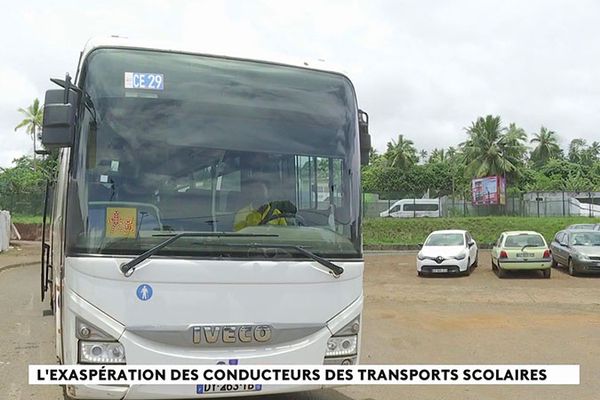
<point x="446" y="239"/>
<point x="524" y="240"/>
<point x="586" y="239"/>
<point x="582" y="226"/>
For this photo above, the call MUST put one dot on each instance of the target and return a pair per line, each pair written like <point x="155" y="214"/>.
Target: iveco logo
<point x="231" y="334"/>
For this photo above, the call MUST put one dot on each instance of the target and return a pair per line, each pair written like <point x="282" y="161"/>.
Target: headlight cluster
<point x="96" y="346"/>
<point x="582" y="257"/>
<point x="460" y="256"/>
<point x="342" y="348"/>
<point x="421" y="256"/>
<point x="338" y="346"/>
<point x="101" y="353"/>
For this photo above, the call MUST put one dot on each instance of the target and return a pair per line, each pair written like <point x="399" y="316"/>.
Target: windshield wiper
<point x="334" y="270"/>
<point x="129" y="267"/>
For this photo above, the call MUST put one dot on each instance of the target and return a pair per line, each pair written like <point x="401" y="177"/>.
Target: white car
<point x="447" y="252"/>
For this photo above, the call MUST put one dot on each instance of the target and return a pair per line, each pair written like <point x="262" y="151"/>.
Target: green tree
<point x="22" y="187"/>
<point x="487" y="151"/>
<point x="34" y="115"/>
<point x="590" y="154"/>
<point x="438" y="156"/>
<point x="515" y="150"/>
<point x="401" y="153"/>
<point x="577" y="150"/>
<point x="451" y="153"/>
<point x="546" y="146"/>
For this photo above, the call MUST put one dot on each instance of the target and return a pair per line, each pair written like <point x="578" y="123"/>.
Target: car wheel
<point x="572" y="271"/>
<point x="469" y="269"/>
<point x="476" y="263"/>
<point x="546" y="273"/>
<point x="494" y="268"/>
<point x="421" y="274"/>
<point x="554" y="263"/>
<point x="500" y="272"/>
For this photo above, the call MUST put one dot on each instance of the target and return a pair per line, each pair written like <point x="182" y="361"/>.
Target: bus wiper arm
<point x="334" y="270"/>
<point x="128" y="268"/>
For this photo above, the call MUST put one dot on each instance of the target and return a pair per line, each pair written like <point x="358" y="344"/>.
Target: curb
<point x="23" y="264"/>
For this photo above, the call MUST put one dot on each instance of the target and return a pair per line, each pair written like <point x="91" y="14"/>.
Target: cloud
<point x="17" y="91"/>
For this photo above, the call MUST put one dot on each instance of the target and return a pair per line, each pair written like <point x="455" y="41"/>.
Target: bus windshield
<point x="218" y="145"/>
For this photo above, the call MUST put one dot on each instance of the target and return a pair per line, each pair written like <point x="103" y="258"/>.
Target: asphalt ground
<point x="479" y="319"/>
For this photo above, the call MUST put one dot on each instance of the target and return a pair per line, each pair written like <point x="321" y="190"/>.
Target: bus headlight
<point x="338" y="346"/>
<point x="97" y="346"/>
<point x="101" y="353"/>
<point x="343" y="344"/>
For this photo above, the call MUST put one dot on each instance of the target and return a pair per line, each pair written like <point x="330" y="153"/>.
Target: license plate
<point x="205" y="389"/>
<point x="525" y="255"/>
<point x="439" y="270"/>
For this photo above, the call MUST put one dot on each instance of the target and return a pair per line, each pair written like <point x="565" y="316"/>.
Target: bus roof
<point x="123" y="42"/>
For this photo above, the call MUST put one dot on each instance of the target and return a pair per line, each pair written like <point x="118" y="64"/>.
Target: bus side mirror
<point x="58" y="128"/>
<point x="364" y="137"/>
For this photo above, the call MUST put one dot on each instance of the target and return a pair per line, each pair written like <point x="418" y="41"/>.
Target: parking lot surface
<point x="479" y="319"/>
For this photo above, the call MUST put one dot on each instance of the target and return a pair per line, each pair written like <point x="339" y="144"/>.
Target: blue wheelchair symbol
<point x="144" y="292"/>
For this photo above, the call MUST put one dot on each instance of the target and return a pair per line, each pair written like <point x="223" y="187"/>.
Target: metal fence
<point x="529" y="204"/>
<point x="23" y="203"/>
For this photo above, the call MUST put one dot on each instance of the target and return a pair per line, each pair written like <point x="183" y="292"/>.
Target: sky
<point x="424" y="69"/>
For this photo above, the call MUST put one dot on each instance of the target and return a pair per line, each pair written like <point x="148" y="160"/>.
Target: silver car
<point x="578" y="250"/>
<point x="582" y="226"/>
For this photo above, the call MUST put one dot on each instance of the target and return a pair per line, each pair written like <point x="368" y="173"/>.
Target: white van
<point x="410" y="208"/>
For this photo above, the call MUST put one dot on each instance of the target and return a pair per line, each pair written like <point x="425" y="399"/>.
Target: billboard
<point x="490" y="190"/>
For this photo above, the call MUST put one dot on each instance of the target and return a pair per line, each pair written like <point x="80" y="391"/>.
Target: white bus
<point x="153" y="257"/>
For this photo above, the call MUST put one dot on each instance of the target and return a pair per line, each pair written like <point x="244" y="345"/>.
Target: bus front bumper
<point x="309" y="350"/>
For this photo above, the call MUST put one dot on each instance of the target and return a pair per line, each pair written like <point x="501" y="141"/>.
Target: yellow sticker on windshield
<point x="121" y="222"/>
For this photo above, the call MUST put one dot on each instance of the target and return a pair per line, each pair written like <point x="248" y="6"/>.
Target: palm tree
<point x="576" y="150"/>
<point x="593" y="152"/>
<point x="487" y="151"/>
<point x="401" y="153"/>
<point x="547" y="146"/>
<point x="34" y="115"/>
<point x="423" y="156"/>
<point x="438" y="155"/>
<point x="451" y="152"/>
<point x="514" y="143"/>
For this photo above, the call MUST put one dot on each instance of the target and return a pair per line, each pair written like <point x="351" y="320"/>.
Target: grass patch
<point x="411" y="231"/>
<point x="25" y="219"/>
